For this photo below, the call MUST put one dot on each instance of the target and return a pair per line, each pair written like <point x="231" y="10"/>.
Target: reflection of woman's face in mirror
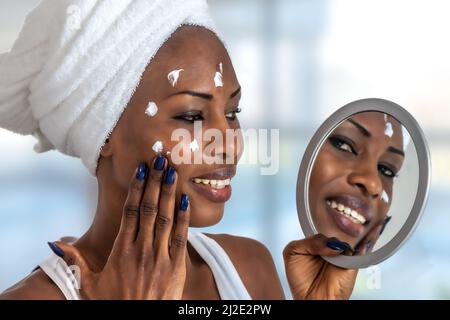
<point x="351" y="185"/>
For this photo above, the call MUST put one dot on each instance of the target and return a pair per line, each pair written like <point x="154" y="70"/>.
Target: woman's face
<point x="351" y="184"/>
<point x="196" y="96"/>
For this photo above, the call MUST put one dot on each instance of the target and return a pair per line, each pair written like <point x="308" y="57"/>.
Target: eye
<point x="341" y="144"/>
<point x="387" y="171"/>
<point x="190" y="117"/>
<point x="232" y="115"/>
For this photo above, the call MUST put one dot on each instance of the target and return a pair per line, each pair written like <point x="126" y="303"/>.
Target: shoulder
<point x="36" y="286"/>
<point x="254" y="263"/>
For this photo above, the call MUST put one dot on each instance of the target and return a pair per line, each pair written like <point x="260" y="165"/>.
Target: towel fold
<point x="76" y="64"/>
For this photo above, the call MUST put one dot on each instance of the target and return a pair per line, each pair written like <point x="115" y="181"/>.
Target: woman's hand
<point x="147" y="260"/>
<point x="310" y="276"/>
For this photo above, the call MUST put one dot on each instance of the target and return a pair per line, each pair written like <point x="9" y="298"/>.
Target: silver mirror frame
<point x="423" y="155"/>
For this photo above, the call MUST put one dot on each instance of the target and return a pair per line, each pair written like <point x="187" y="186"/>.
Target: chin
<point x="206" y="215"/>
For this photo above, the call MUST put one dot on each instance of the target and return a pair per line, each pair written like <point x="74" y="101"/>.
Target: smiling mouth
<point x="348" y="212"/>
<point x="214" y="183"/>
<point x="215" y="186"/>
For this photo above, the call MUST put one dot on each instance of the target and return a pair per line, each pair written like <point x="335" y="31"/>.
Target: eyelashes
<point x="342" y="143"/>
<point x="192" y="116"/>
<point x="345" y="145"/>
<point x="189" y="117"/>
<point x="233" y="114"/>
<point x="387" y="171"/>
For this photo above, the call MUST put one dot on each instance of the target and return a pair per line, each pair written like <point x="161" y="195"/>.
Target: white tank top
<point x="227" y="279"/>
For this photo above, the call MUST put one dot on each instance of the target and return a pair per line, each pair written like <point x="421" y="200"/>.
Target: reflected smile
<point x="348" y="212"/>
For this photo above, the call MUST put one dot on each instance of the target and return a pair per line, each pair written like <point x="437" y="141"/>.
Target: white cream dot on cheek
<point x="384" y="197"/>
<point x="158" y="146"/>
<point x="152" y="109"/>
<point x="194" y="145"/>
<point x="173" y="76"/>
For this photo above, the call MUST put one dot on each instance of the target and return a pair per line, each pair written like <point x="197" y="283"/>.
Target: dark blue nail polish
<point x="159" y="163"/>
<point x="57" y="250"/>
<point x="369" y="245"/>
<point x="184" y="203"/>
<point x="170" y="176"/>
<point x="337" y="245"/>
<point x="386" y="220"/>
<point x="141" y="171"/>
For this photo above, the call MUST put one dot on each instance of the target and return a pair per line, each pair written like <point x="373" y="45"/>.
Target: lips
<point x="215" y="185"/>
<point x="350" y="214"/>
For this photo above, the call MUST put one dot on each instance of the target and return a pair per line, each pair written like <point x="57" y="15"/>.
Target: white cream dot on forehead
<point x="389" y="131"/>
<point x="173" y="76"/>
<point x="152" y="109"/>
<point x="218" y="77"/>
<point x="158" y="146"/>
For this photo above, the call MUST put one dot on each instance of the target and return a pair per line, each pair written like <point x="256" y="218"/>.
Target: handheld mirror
<point x="364" y="179"/>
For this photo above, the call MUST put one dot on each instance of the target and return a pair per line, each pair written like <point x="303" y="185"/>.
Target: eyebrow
<point x="206" y="96"/>
<point x="234" y="94"/>
<point x="363" y="130"/>
<point x="397" y="151"/>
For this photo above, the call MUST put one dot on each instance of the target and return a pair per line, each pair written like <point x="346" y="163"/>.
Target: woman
<point x="111" y="88"/>
<point x="351" y="188"/>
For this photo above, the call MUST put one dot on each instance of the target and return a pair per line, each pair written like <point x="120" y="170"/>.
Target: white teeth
<point x="217" y="184"/>
<point x="348" y="212"/>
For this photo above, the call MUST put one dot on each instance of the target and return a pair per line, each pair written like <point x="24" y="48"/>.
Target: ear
<point x="106" y="150"/>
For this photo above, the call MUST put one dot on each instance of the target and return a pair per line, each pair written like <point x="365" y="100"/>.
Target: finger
<point x="317" y="245"/>
<point x="180" y="234"/>
<point x="150" y="203"/>
<point x="130" y="214"/>
<point x="366" y="245"/>
<point x="73" y="258"/>
<point x="164" y="218"/>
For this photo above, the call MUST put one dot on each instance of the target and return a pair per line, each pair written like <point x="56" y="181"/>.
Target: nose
<point x="222" y="143"/>
<point x="365" y="177"/>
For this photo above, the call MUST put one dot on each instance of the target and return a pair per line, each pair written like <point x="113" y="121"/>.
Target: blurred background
<point x="298" y="61"/>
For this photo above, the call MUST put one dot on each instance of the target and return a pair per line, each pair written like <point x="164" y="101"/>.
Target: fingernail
<point x="57" y="250"/>
<point x="369" y="245"/>
<point x="141" y="171"/>
<point x="337" y="245"/>
<point x="184" y="203"/>
<point x="386" y="220"/>
<point x="170" y="176"/>
<point x="159" y="163"/>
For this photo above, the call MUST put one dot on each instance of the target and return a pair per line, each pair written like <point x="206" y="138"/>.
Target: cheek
<point x="326" y="170"/>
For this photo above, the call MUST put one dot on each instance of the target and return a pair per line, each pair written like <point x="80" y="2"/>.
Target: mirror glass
<point x="364" y="181"/>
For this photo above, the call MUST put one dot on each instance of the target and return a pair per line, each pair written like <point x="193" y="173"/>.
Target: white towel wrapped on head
<point x="76" y="64"/>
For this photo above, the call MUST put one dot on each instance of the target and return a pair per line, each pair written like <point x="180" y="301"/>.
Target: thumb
<point x="70" y="255"/>
<point x="317" y="245"/>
